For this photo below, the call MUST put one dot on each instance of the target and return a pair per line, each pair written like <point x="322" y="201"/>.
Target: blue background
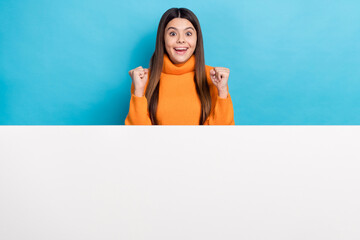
<point x="291" y="62"/>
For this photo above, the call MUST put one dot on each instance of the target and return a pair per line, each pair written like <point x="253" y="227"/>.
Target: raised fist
<point x="139" y="77"/>
<point x="220" y="76"/>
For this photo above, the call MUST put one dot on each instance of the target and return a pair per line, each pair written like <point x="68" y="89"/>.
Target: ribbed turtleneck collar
<point x="176" y="69"/>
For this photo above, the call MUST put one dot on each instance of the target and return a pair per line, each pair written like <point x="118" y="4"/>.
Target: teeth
<point x="180" y="48"/>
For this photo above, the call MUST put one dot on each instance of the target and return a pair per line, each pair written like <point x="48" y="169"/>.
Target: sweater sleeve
<point x="138" y="110"/>
<point x="222" y="110"/>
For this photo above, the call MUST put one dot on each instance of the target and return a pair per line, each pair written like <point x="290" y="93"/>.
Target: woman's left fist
<point x="219" y="76"/>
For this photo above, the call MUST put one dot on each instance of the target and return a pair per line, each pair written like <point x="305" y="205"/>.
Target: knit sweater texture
<point x="178" y="102"/>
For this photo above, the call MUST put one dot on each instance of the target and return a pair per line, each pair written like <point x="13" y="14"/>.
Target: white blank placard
<point x="120" y="182"/>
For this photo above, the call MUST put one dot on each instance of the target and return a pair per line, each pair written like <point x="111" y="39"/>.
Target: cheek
<point x="166" y="41"/>
<point x="169" y="43"/>
<point x="193" y="42"/>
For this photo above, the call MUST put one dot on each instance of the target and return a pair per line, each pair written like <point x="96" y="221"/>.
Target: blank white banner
<point x="179" y="182"/>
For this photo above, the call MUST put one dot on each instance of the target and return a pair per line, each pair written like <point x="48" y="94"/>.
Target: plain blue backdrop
<point x="291" y="62"/>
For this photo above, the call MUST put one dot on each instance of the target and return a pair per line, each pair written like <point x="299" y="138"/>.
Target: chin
<point x="180" y="59"/>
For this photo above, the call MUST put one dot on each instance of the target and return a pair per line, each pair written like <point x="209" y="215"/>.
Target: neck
<point x="178" y="68"/>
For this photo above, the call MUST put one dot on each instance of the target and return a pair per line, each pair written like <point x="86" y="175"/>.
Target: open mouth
<point x="180" y="51"/>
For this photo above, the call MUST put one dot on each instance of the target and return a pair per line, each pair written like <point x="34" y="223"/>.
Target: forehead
<point x="179" y="23"/>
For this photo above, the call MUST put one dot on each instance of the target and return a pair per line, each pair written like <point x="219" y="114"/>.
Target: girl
<point x="178" y="88"/>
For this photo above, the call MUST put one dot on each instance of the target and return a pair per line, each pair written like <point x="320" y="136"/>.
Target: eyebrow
<point x="176" y="28"/>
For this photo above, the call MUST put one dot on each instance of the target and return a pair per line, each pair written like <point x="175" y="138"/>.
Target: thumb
<point x="212" y="71"/>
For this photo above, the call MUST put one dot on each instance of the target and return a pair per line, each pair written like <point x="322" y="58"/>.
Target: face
<point x="180" y="33"/>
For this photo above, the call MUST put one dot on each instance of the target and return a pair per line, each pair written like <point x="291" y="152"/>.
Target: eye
<point x="173" y="33"/>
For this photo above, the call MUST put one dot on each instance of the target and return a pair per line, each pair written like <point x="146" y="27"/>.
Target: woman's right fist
<point x="139" y="77"/>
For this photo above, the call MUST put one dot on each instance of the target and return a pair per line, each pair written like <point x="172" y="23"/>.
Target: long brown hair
<point x="156" y="65"/>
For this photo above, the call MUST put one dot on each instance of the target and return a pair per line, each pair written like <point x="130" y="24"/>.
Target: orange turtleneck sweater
<point x="179" y="103"/>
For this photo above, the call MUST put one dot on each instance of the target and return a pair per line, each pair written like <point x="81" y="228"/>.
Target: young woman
<point x="178" y="88"/>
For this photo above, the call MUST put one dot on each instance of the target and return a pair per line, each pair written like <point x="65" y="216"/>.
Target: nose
<point x="180" y="39"/>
